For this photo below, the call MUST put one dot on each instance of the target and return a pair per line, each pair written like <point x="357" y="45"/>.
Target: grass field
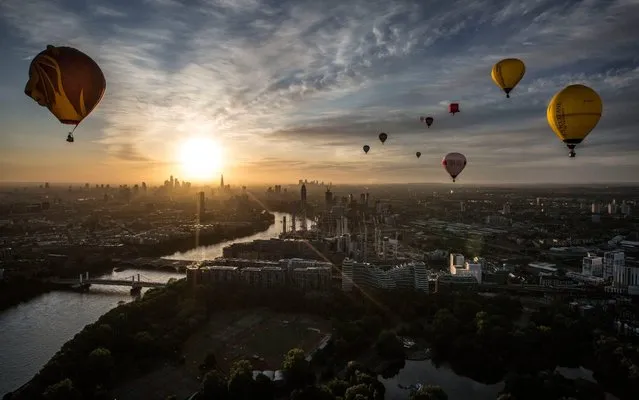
<point x="259" y="335"/>
<point x="230" y="336"/>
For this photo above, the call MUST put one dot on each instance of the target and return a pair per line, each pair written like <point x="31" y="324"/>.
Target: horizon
<point x="337" y="184"/>
<point x="296" y="88"/>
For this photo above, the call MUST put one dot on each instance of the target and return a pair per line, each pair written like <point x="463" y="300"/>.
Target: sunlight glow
<point x="201" y="159"/>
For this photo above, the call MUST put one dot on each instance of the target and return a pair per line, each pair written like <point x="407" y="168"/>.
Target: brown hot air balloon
<point x="66" y="81"/>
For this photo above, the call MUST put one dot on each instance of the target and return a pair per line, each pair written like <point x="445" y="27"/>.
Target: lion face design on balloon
<point x="66" y="81"/>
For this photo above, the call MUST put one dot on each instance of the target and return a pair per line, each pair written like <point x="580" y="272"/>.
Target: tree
<point x="388" y="346"/>
<point x="296" y="367"/>
<point x="264" y="388"/>
<point x="63" y="390"/>
<point x="214" y="386"/>
<point x="358" y="390"/>
<point x="240" y="382"/>
<point x="312" y="393"/>
<point x="429" y="392"/>
<point x="338" y="387"/>
<point x="100" y="366"/>
<point x="210" y="362"/>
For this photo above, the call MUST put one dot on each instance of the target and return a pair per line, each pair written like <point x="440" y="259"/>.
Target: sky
<point x="293" y="89"/>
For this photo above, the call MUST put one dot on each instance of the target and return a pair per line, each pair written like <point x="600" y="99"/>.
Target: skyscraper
<point x="200" y="206"/>
<point x="303" y="205"/>
<point x="222" y="181"/>
<point x="328" y="198"/>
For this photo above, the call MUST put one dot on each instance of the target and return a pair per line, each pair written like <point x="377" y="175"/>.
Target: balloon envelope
<point x="66" y="81"/>
<point x="418" y="154"/>
<point x="507" y="73"/>
<point x="454" y="164"/>
<point x="453" y="108"/>
<point x="429" y="121"/>
<point x="574" y="112"/>
<point x="366" y="148"/>
<point x="383" y="137"/>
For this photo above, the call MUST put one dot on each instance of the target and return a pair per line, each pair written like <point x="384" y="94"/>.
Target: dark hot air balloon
<point x="418" y="154"/>
<point x="382" y="137"/>
<point x="366" y="148"/>
<point x="453" y="108"/>
<point x="427" y="120"/>
<point x="454" y="164"/>
<point x="66" y="81"/>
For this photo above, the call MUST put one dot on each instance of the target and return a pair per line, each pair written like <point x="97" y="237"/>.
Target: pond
<point x="458" y="387"/>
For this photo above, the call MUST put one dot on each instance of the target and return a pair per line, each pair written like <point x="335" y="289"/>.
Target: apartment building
<point x="408" y="275"/>
<point x="298" y="273"/>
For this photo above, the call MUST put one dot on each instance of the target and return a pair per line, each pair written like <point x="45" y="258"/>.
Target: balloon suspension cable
<point x="70" y="138"/>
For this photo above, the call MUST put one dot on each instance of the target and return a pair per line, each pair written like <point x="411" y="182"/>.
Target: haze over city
<point x="276" y="90"/>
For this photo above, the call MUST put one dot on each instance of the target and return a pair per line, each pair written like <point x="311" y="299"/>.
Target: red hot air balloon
<point x="454" y="164"/>
<point x="366" y="148"/>
<point x="453" y="108"/>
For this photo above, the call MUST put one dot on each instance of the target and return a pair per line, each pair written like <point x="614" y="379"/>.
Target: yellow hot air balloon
<point x="507" y="73"/>
<point x="572" y="113"/>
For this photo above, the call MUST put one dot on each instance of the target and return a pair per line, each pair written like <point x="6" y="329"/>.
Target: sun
<point x="201" y="159"/>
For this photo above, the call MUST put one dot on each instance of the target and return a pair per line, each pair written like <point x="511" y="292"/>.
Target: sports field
<point x="259" y="335"/>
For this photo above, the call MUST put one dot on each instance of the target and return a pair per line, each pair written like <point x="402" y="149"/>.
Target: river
<point x="32" y="332"/>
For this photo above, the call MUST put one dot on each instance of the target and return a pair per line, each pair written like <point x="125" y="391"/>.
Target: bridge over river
<point x="84" y="282"/>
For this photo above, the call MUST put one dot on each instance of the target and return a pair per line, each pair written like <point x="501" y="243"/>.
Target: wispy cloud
<point x="307" y="83"/>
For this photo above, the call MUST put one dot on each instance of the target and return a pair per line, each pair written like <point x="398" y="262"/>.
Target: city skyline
<point x="287" y="89"/>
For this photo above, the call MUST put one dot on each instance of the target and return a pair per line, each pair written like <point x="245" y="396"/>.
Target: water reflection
<point x="424" y="372"/>
<point x="33" y="332"/>
<point x="213" y="251"/>
<point x="458" y="387"/>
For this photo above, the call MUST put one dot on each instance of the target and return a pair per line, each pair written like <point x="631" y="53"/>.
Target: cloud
<point x="307" y="83"/>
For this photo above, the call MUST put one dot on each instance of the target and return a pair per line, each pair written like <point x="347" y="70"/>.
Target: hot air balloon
<point x="572" y="113"/>
<point x="418" y="154"/>
<point x="366" y="148"/>
<point x="383" y="137"/>
<point x="427" y="120"/>
<point x="507" y="73"/>
<point x="454" y="164"/>
<point x="453" y="108"/>
<point x="66" y="81"/>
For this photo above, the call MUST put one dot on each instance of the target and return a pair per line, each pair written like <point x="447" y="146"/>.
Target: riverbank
<point x="220" y="234"/>
<point x="14" y="291"/>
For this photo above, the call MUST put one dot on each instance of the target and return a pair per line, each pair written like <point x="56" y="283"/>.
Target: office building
<point x="611" y="260"/>
<point x="200" y="206"/>
<point x="592" y="266"/>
